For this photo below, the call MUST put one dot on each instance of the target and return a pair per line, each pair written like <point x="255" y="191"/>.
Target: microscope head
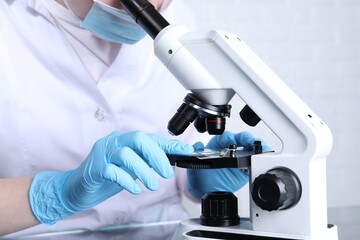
<point x="206" y="117"/>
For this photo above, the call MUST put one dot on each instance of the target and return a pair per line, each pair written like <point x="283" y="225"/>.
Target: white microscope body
<point x="217" y="65"/>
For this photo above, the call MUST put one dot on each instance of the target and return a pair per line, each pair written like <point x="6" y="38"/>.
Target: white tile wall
<point x="314" y="46"/>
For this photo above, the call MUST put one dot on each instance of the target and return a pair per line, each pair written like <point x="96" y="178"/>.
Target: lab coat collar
<point x="38" y="7"/>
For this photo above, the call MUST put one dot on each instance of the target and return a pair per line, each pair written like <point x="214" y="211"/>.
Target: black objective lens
<point x="210" y="118"/>
<point x="215" y="125"/>
<point x="200" y="124"/>
<point x="182" y="119"/>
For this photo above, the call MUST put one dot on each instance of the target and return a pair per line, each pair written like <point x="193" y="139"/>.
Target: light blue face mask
<point x="112" y="24"/>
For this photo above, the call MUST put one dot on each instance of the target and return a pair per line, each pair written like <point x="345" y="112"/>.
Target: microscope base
<point x="191" y="229"/>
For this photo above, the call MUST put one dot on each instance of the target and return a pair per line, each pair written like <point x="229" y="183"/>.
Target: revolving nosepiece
<point x="208" y="118"/>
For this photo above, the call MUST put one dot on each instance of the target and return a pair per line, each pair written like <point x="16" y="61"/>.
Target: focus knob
<point x="219" y="209"/>
<point x="278" y="189"/>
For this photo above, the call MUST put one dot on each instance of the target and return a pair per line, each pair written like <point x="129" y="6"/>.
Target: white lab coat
<point x="52" y="112"/>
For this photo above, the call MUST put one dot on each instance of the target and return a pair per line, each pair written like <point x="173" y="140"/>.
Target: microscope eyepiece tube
<point x="145" y="14"/>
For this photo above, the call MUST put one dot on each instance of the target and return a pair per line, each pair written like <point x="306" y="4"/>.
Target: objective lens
<point x="200" y="124"/>
<point x="182" y="119"/>
<point x="215" y="125"/>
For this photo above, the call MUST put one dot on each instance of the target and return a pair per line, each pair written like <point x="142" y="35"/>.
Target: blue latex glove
<point x="202" y="181"/>
<point x="114" y="163"/>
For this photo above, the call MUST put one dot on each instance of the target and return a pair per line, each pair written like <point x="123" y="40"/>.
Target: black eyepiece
<point x="145" y="14"/>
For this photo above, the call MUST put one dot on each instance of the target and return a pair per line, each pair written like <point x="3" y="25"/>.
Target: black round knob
<point x="219" y="209"/>
<point x="278" y="189"/>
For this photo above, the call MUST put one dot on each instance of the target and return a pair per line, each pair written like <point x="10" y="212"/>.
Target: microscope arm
<point x="216" y="65"/>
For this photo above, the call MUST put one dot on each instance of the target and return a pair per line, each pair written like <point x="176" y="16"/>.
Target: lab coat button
<point x="119" y="220"/>
<point x="100" y="114"/>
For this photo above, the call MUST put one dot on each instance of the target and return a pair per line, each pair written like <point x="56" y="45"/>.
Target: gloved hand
<point x="114" y="163"/>
<point x="202" y="181"/>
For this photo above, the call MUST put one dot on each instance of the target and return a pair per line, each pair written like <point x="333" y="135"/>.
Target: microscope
<point x="287" y="188"/>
